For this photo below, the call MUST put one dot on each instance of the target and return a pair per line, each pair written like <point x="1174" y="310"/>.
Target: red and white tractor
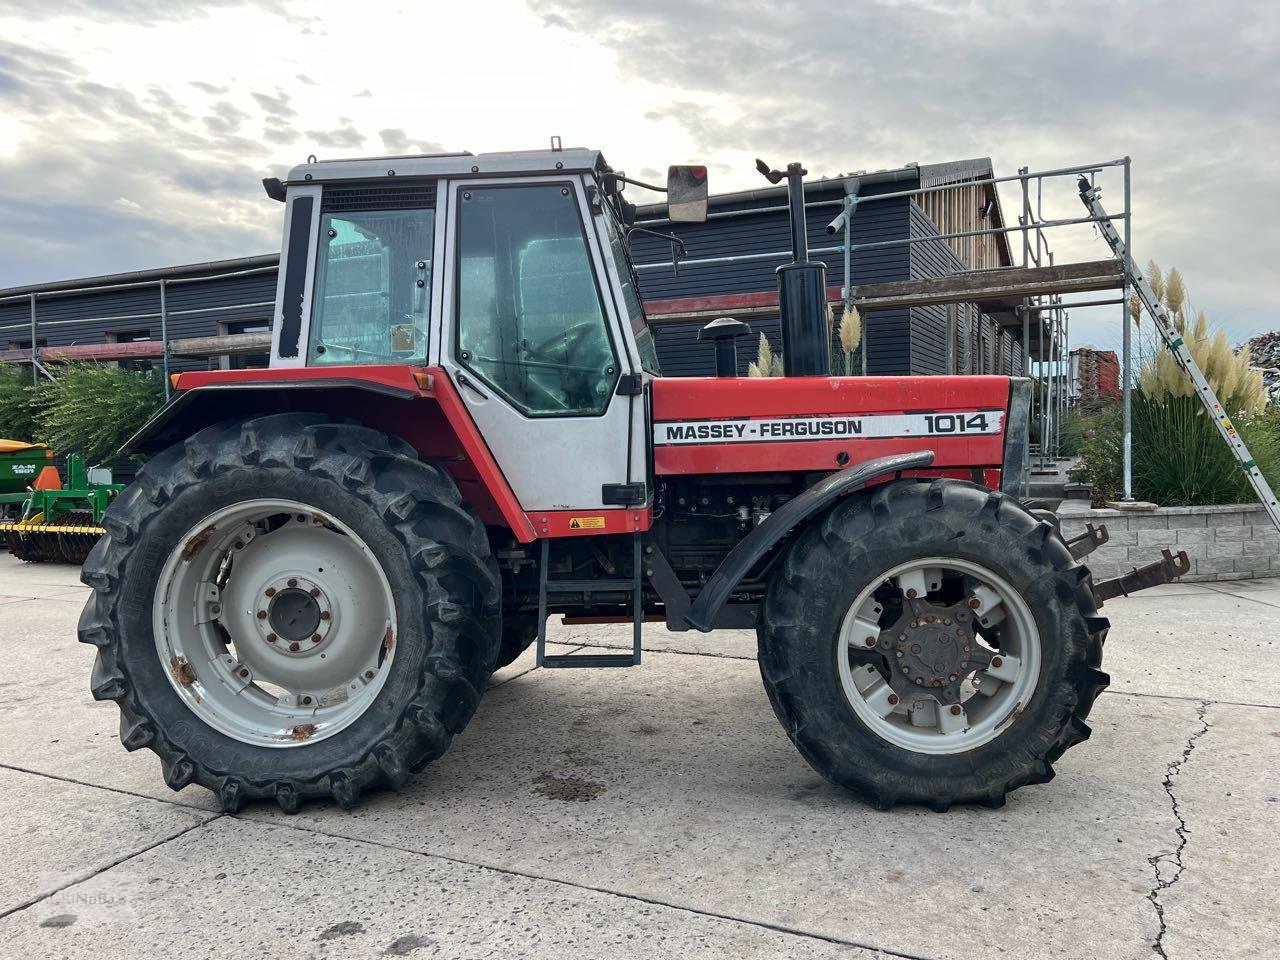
<point x="463" y="431"/>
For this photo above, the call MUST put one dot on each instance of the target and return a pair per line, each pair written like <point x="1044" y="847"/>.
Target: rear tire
<point x="518" y="633"/>
<point x="420" y="541"/>
<point x="804" y="630"/>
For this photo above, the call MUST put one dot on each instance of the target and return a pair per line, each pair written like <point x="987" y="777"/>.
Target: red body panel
<point x="750" y="402"/>
<point x="433" y="419"/>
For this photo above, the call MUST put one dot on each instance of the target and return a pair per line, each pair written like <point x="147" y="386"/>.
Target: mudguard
<point x="739" y="561"/>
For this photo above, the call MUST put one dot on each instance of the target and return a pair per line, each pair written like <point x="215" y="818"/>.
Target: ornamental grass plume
<point x="766" y="363"/>
<point x="1239" y="387"/>
<point x="1155" y="278"/>
<point x="850" y="329"/>
<point x="1175" y="297"/>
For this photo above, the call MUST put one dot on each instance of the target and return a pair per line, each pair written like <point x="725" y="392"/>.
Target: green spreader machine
<point x="43" y="518"/>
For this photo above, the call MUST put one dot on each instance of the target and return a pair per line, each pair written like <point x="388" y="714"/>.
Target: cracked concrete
<point x="702" y="833"/>
<point x="1168" y="865"/>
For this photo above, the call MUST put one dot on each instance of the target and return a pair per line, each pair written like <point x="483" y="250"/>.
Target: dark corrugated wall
<point x="886" y="331"/>
<point x="195" y="309"/>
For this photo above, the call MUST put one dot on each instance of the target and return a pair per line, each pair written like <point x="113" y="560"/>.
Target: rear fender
<point x="791" y="515"/>
<point x="420" y="406"/>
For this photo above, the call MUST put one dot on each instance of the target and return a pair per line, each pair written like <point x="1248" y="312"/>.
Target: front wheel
<point x="291" y="608"/>
<point x="932" y="643"/>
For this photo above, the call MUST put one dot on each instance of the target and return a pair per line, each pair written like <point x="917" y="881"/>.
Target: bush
<point x="92" y="408"/>
<point x="1179" y="459"/>
<point x="17" y="404"/>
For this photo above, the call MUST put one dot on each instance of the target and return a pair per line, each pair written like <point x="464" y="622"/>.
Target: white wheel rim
<point x="900" y="708"/>
<point x="274" y="622"/>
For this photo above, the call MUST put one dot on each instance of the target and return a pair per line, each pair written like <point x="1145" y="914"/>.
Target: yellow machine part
<point x="35" y="541"/>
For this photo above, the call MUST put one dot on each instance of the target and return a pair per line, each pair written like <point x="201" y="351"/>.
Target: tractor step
<point x="1168" y="567"/>
<point x="547" y="586"/>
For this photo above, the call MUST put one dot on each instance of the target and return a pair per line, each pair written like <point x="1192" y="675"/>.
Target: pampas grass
<point x="766" y="364"/>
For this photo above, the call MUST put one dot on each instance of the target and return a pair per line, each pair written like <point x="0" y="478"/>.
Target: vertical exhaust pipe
<point x="802" y="288"/>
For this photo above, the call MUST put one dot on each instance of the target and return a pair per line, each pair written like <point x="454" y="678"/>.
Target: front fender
<point x="740" y="560"/>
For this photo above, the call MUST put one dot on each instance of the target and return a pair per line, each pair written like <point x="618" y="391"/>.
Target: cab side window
<point x="530" y="321"/>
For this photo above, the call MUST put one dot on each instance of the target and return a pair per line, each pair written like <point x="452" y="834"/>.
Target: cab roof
<point x="466" y="164"/>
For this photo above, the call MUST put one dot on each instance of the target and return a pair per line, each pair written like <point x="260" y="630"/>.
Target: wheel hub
<point x="294" y="616"/>
<point x="933" y="649"/>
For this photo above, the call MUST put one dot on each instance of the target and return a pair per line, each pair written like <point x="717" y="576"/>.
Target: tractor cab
<point x="507" y="271"/>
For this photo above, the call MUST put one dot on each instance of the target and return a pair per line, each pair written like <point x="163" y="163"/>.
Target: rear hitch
<point x="1089" y="541"/>
<point x="1168" y="567"/>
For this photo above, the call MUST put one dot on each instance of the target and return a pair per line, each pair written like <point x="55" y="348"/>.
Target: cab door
<point x="533" y="341"/>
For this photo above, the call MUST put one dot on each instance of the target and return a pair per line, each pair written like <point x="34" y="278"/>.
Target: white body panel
<point x="554" y="462"/>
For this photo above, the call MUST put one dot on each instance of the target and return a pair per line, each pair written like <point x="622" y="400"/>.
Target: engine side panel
<point x="757" y="425"/>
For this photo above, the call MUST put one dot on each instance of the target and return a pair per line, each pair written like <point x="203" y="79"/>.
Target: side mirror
<point x="687" y="194"/>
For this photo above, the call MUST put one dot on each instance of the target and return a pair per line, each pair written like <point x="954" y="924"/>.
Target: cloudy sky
<point x="134" y="133"/>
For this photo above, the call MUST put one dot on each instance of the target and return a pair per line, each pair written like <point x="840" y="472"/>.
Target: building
<point x="118" y="317"/>
<point x="1095" y="377"/>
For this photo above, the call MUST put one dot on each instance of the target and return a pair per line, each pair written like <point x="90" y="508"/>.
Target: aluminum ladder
<point x="1172" y="336"/>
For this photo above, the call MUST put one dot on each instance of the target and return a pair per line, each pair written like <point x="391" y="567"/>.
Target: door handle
<point x="466" y="382"/>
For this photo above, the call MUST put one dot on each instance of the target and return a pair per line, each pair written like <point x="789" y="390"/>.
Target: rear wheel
<point x="291" y="608"/>
<point x="932" y="643"/>
<point x="518" y="633"/>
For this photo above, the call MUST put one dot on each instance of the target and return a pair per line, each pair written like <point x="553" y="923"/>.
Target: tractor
<point x="463" y="431"/>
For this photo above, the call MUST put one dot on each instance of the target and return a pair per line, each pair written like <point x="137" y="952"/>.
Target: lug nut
<point x="244" y="672"/>
<point x="315" y="591"/>
<point x="306" y="700"/>
<point x="270" y="591"/>
<point x="996" y="661"/>
<point x="955" y="709"/>
<point x="975" y="603"/>
<point x="271" y="638"/>
<point x="893" y="699"/>
<point x="368" y="674"/>
<point x="293" y="582"/>
<point x="870" y="641"/>
<point x="262" y="614"/>
<point x="295" y="647"/>
<point x="911" y="593"/>
<point x="315" y="638"/>
<point x="324" y="614"/>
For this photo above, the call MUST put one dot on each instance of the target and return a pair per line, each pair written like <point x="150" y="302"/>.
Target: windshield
<point x="631" y="293"/>
<point x="373" y="287"/>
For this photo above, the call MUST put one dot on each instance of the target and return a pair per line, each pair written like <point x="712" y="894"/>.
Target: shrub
<point x="93" y="408"/>
<point x="17" y="404"/>
<point x="1179" y="459"/>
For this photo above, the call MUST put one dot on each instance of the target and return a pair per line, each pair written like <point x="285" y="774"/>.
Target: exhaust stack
<point x="802" y="288"/>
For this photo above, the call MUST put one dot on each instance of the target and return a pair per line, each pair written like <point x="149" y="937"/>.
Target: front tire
<point x="931" y="642"/>
<point x="346" y="611"/>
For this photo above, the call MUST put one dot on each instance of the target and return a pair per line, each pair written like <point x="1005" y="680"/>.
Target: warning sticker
<point x="831" y="427"/>
<point x="586" y="523"/>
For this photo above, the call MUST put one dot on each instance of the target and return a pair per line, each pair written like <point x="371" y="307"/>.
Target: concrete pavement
<point x="661" y="811"/>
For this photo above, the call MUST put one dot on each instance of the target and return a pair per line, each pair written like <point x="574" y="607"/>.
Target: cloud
<point x="345" y="137"/>
<point x="277" y="106"/>
<point x="1187" y="91"/>
<point x="396" y="141"/>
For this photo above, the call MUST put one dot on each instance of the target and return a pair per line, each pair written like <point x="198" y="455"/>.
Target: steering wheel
<point x="570" y="339"/>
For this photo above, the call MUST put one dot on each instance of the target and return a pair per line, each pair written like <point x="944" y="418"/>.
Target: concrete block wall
<point x="1232" y="542"/>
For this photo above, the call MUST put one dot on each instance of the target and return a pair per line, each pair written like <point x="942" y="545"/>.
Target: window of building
<point x="142" y="335"/>
<point x="530" y="321"/>
<point x="245" y="361"/>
